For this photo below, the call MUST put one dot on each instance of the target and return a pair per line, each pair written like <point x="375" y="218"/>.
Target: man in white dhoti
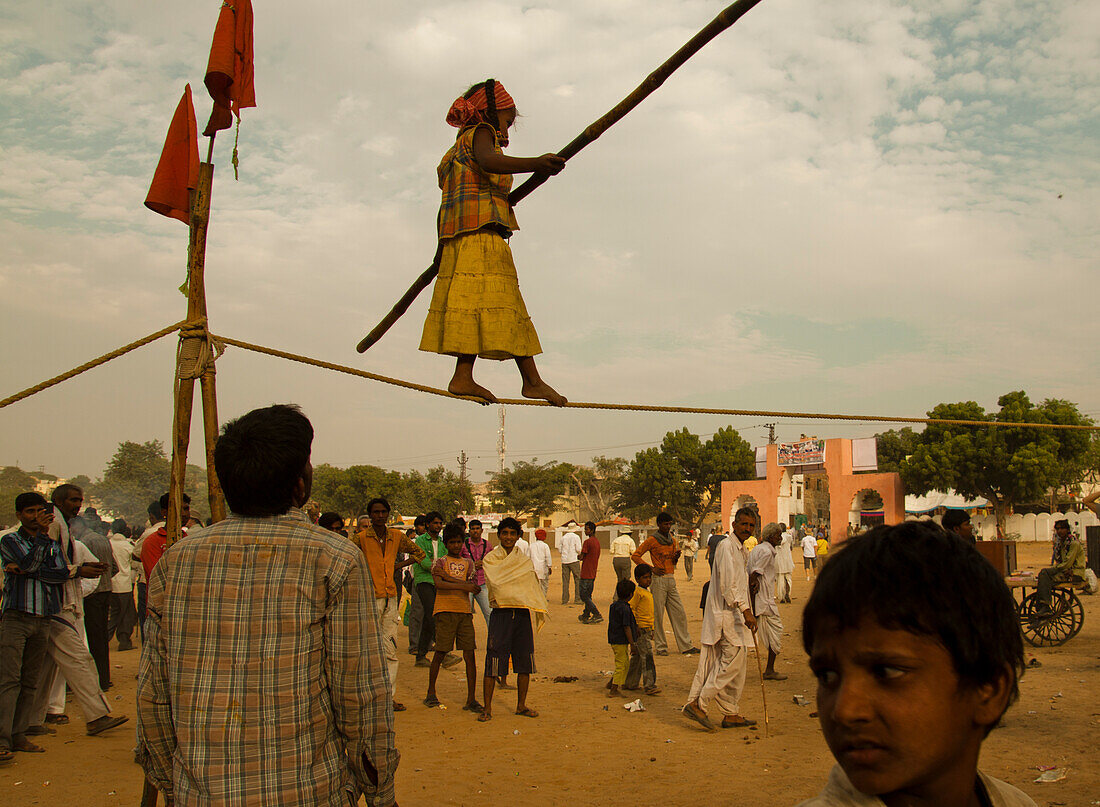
<point x="784" y="565"/>
<point x="762" y="573"/>
<point x="728" y="624"/>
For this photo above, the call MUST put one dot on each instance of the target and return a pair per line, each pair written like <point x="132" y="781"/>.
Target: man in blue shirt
<point x="34" y="572"/>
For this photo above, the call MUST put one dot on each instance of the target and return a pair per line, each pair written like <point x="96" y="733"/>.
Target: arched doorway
<point x="865" y="511"/>
<point x="816" y="501"/>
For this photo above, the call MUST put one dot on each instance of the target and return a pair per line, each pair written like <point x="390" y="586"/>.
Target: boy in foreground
<point x="453" y="576"/>
<point x="916" y="647"/>
<point x="622" y="629"/>
<point x="642" y="667"/>
<point x="514" y="593"/>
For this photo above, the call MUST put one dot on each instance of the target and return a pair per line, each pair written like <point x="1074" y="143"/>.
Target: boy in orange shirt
<point x="453" y="576"/>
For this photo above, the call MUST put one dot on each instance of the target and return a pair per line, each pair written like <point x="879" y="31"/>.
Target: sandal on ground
<point x="398" y="707"/>
<point x="27" y="747"/>
<point x="432" y="701"/>
<point x="527" y="711"/>
<point x="698" y="716"/>
<point x="473" y="707"/>
<point x="653" y="691"/>
<point x="774" y="676"/>
<point x="39" y="731"/>
<point x="743" y="723"/>
<point x="484" y="717"/>
<point x="57" y="720"/>
<point x="6" y="755"/>
<point x="101" y="724"/>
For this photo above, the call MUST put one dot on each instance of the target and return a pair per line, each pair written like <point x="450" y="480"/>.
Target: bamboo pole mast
<point x="720" y="23"/>
<point x="192" y="358"/>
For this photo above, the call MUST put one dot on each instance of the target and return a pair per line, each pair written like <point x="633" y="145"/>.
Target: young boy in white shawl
<point x="762" y="574"/>
<point x="514" y="593"/>
<point x="728" y="623"/>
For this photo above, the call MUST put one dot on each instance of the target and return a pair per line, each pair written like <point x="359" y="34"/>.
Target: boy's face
<point x="475" y="532"/>
<point x="894" y="714"/>
<point x="435" y="525"/>
<point x="645" y="580"/>
<point x="454" y="547"/>
<point x="508" y="538"/>
<point x="31" y="517"/>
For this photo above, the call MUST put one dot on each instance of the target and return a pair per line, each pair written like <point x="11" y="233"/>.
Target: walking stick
<point x="763" y="691"/>
<point x="724" y="20"/>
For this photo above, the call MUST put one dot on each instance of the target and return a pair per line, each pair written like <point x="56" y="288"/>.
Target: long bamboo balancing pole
<point x="724" y="20"/>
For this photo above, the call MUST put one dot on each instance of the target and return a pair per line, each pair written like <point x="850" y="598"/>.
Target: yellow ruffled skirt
<point x="476" y="307"/>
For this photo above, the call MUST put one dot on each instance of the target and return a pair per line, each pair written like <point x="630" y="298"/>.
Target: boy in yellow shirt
<point x="641" y="660"/>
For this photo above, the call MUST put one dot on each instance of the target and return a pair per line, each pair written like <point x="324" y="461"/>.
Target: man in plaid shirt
<point x="263" y="677"/>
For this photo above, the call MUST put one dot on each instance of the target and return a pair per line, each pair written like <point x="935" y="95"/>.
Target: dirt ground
<point x="585" y="748"/>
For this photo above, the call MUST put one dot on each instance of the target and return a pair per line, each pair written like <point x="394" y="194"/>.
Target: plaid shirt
<point x="472" y="198"/>
<point x="36" y="589"/>
<point x="263" y="679"/>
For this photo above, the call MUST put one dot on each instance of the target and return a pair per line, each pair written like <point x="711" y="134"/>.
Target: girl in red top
<point x="476" y="307"/>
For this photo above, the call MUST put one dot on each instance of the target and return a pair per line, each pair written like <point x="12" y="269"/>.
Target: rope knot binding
<point x="198" y="350"/>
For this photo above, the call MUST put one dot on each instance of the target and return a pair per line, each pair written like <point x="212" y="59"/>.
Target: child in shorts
<point x="621" y="630"/>
<point x="915" y="643"/>
<point x="453" y="576"/>
<point x="641" y="659"/>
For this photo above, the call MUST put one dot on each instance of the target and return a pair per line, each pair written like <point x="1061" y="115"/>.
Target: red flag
<point x="229" y="73"/>
<point x="178" y="169"/>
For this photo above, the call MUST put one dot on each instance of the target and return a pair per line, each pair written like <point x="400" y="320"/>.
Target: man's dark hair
<point x="590" y="525"/>
<point x="61" y="491"/>
<point x="745" y="511"/>
<point x="378" y="500"/>
<point x="432" y="516"/>
<point x="453" y="532"/>
<point x="1062" y="522"/>
<point x="919" y="578"/>
<point x="419" y="523"/>
<point x="118" y="525"/>
<point x="641" y="570"/>
<point x="156" y="512"/>
<point x="663" y="517"/>
<point x="30" y="499"/>
<point x="624" y="589"/>
<point x="475" y="523"/>
<point x="260" y="457"/>
<point x="328" y="519"/>
<point x="509" y="523"/>
<point x="460" y="521"/>
<point x="953" y="519"/>
<point x="166" y="498"/>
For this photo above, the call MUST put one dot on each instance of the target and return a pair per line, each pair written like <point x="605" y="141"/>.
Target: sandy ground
<point x="586" y="748"/>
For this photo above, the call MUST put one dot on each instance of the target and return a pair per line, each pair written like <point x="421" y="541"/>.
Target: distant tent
<point x="937" y="498"/>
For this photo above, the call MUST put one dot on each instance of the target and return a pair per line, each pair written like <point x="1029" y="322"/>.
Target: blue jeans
<point x="590" y="609"/>
<point x="482" y="600"/>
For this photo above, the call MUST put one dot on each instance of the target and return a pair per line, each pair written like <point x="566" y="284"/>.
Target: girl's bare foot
<point x="543" y="391"/>
<point x="471" y="389"/>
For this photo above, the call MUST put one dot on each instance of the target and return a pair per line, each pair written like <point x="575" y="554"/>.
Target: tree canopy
<point x="531" y="489"/>
<point x="347" y="490"/>
<point x="13" y="481"/>
<point x="1007" y="466"/>
<point x="684" y="475"/>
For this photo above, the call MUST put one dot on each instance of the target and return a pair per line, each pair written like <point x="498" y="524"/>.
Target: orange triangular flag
<point x="229" y="73"/>
<point x="178" y="169"/>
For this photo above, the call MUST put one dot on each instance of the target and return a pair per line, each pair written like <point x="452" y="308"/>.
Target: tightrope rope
<point x="691" y="410"/>
<point x="106" y="357"/>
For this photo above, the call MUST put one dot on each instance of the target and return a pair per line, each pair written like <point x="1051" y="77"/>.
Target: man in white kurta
<point x="762" y="574"/>
<point x="784" y="565"/>
<point x="726" y="634"/>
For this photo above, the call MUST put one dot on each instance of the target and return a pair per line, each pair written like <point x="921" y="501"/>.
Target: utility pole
<point x="502" y="447"/>
<point x="462" y="459"/>
<point x="771" y="433"/>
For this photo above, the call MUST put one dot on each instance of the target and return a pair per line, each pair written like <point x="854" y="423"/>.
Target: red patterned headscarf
<point x="465" y="111"/>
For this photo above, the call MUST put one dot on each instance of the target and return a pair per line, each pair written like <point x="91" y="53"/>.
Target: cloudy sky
<point x="842" y="206"/>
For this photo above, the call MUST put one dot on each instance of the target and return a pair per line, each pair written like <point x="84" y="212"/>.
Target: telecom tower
<point x="502" y="446"/>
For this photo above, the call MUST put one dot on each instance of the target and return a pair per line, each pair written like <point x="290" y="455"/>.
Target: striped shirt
<point x="43" y="572"/>
<point x="263" y="678"/>
<point x="472" y="197"/>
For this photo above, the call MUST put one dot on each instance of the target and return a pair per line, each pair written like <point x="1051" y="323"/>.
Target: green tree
<point x="597" y="486"/>
<point x="1007" y="466"/>
<point x="13" y="481"/>
<point x="530" y="489"/>
<point x="347" y="490"/>
<point x="136" y="475"/>
<point x="893" y="446"/>
<point x="438" y="489"/>
<point x="684" y="476"/>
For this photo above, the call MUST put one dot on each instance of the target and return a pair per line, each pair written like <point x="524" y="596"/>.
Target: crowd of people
<point x="270" y="642"/>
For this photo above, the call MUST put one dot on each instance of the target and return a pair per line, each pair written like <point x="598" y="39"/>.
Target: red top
<point x="152" y="549"/>
<point x="590" y="550"/>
